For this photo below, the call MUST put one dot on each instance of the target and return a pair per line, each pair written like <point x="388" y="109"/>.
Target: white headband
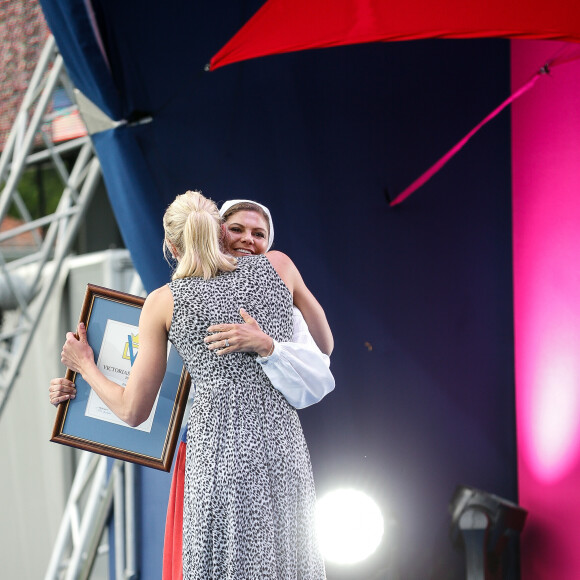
<point x="230" y="203"/>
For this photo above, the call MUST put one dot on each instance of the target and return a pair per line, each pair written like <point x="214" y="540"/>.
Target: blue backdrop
<point x="419" y="297"/>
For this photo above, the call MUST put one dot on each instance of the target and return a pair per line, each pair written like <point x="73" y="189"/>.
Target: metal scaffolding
<point x="26" y="283"/>
<point x="33" y="275"/>
<point x="96" y="494"/>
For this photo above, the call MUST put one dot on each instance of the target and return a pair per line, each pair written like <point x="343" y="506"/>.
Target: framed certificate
<point x="112" y="322"/>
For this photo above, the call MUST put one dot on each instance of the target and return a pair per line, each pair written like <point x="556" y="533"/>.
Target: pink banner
<point x="546" y="232"/>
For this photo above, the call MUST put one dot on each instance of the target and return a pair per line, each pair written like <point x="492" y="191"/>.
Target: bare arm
<point x="249" y="337"/>
<point x="134" y="402"/>
<point x="304" y="300"/>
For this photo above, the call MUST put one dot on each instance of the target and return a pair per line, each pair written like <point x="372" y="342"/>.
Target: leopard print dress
<point x="249" y="493"/>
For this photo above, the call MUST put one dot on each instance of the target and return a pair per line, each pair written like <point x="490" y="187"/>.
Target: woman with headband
<point x="297" y="368"/>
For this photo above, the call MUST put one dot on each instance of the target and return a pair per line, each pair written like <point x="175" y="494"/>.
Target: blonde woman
<point x="249" y="492"/>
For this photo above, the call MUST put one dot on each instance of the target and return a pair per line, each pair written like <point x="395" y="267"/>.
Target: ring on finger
<point x="227" y="343"/>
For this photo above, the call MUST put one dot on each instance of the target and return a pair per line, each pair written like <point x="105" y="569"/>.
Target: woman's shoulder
<point x="282" y="264"/>
<point x="279" y="259"/>
<point x="160" y="297"/>
<point x="159" y="305"/>
<point x="285" y="268"/>
<point x="273" y="260"/>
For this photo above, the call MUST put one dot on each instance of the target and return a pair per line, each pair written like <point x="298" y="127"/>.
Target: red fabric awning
<point x="291" y="25"/>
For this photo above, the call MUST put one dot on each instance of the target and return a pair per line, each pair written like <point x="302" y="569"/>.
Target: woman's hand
<point x="247" y="337"/>
<point x="61" y="390"/>
<point x="76" y="354"/>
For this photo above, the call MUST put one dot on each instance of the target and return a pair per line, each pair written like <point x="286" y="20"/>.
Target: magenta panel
<point x="546" y="233"/>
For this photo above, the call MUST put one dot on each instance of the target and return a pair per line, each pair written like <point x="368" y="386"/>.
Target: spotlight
<point x="488" y="525"/>
<point x="350" y="526"/>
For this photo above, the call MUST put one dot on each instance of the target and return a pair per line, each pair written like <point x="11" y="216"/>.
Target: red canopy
<point x="290" y="25"/>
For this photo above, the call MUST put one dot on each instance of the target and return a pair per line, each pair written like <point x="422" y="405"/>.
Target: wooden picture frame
<point x="112" y="319"/>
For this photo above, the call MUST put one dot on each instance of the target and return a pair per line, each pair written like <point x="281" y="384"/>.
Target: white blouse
<point x="299" y="369"/>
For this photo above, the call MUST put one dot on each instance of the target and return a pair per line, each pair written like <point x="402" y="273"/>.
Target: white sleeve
<point x="298" y="369"/>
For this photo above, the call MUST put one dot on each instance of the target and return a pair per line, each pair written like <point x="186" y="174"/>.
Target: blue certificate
<point x="112" y="322"/>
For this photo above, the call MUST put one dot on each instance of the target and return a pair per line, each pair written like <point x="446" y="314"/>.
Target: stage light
<point x="487" y="525"/>
<point x="350" y="526"/>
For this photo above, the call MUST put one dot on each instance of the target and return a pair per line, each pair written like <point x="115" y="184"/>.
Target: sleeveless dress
<point x="248" y="507"/>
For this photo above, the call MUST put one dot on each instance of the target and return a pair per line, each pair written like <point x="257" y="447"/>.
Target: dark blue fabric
<point x="136" y="199"/>
<point x="419" y="297"/>
<point x="70" y="24"/>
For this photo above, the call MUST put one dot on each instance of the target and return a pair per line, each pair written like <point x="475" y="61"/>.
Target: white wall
<point x="35" y="474"/>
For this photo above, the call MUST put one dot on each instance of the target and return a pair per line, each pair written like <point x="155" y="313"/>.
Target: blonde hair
<point x="192" y="227"/>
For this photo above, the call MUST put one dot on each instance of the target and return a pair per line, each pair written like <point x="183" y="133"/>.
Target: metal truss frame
<point x="28" y="293"/>
<point x="98" y="490"/>
<point x="96" y="493"/>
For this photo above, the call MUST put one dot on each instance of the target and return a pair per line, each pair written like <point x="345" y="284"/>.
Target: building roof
<point x="23" y="32"/>
<point x="23" y="240"/>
